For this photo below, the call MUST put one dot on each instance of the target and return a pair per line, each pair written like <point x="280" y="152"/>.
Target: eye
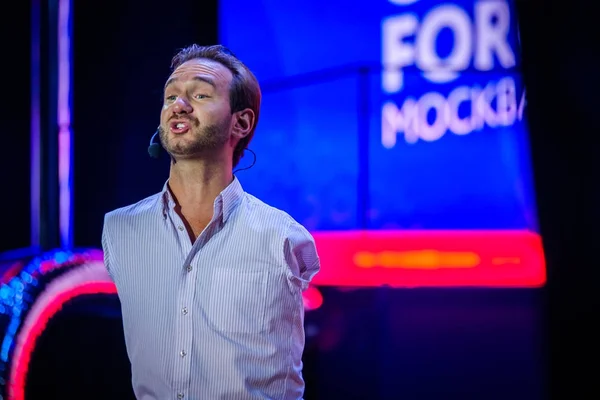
<point x="200" y="96"/>
<point x="171" y="98"/>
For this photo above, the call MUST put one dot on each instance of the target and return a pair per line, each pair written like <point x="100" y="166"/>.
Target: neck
<point x="199" y="182"/>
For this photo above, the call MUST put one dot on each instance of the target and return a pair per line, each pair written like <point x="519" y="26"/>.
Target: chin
<point x="184" y="151"/>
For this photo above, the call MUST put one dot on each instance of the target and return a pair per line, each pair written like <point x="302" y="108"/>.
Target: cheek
<point x="164" y="112"/>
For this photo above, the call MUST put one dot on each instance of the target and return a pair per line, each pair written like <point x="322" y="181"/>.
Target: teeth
<point x="180" y="125"/>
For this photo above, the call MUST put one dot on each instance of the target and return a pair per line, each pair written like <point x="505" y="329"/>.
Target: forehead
<point x="194" y="69"/>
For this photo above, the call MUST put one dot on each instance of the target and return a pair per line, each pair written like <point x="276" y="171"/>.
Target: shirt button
<point x="180" y="395"/>
<point x="180" y="227"/>
<point x="189" y="268"/>
<point x="182" y="353"/>
<point x="184" y="311"/>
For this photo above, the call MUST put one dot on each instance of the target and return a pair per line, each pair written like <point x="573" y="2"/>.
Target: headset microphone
<point x="154" y="148"/>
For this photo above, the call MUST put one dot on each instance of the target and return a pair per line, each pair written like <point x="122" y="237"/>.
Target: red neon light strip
<point x="430" y="258"/>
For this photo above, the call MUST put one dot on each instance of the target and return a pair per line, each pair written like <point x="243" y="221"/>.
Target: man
<point x="210" y="278"/>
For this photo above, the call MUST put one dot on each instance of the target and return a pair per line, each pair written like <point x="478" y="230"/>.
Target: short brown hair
<point x="244" y="91"/>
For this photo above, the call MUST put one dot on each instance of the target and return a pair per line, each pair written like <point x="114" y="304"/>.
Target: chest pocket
<point x="237" y="301"/>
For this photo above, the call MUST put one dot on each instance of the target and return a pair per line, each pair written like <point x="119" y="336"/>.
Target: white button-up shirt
<point x="221" y="318"/>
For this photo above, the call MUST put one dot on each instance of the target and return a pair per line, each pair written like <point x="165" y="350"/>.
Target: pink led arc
<point x="88" y="279"/>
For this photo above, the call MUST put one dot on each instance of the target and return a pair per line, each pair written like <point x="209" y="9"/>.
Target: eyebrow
<point x="197" y="78"/>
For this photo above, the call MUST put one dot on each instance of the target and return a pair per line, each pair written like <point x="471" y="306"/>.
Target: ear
<point x="243" y="122"/>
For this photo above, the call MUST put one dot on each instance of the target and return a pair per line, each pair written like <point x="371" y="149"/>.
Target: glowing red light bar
<point x="431" y="258"/>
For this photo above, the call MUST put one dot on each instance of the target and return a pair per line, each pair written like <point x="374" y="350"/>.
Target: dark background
<point x="15" y="117"/>
<point x="121" y="59"/>
<point x="561" y="59"/>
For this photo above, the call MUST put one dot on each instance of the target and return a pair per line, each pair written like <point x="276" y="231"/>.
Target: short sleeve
<point x="301" y="254"/>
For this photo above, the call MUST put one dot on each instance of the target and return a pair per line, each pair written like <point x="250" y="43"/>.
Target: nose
<point x="181" y="106"/>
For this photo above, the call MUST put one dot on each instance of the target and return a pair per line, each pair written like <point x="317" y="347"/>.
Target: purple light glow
<point x="64" y="124"/>
<point x="35" y="144"/>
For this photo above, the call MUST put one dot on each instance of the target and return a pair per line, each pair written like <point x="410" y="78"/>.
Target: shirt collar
<point x="225" y="203"/>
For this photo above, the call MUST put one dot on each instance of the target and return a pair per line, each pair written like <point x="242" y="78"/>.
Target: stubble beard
<point x="204" y="142"/>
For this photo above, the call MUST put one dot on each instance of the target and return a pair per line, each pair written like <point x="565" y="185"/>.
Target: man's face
<point x="196" y="118"/>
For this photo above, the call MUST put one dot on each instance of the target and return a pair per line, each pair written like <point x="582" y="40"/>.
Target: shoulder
<point x="272" y="218"/>
<point x="133" y="212"/>
<point x="298" y="245"/>
<point x="267" y="215"/>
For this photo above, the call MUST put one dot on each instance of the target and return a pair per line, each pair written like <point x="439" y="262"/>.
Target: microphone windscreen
<point x="154" y="150"/>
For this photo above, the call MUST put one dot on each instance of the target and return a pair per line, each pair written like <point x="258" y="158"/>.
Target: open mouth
<point x="179" y="127"/>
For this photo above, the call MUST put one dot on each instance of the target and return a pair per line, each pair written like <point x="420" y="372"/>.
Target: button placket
<point x="184" y="320"/>
<point x="186" y="288"/>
